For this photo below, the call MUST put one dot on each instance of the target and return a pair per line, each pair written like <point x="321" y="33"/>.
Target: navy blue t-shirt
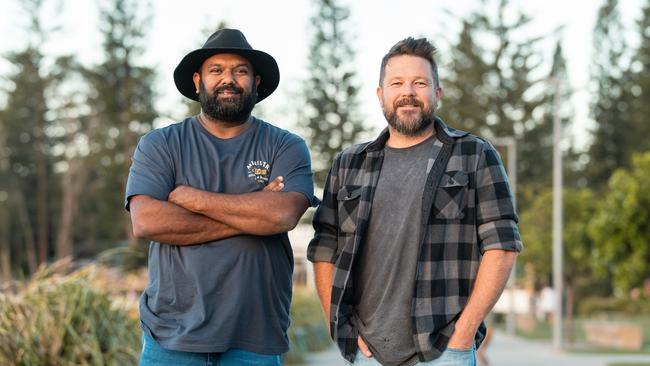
<point x="230" y="293"/>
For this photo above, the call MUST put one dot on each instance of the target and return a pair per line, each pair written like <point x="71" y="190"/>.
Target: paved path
<point x="511" y="351"/>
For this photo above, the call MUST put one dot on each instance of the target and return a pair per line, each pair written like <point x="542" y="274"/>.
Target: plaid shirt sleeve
<point x="324" y="246"/>
<point x="496" y="215"/>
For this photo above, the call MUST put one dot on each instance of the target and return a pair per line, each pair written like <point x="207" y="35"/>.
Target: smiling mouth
<point x="409" y="107"/>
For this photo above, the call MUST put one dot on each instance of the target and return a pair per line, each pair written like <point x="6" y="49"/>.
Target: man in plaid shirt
<point x="416" y="234"/>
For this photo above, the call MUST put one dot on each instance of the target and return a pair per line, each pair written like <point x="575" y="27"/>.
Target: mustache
<point x="409" y="101"/>
<point x="229" y="87"/>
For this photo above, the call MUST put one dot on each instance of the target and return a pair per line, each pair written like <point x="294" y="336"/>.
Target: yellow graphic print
<point x="259" y="171"/>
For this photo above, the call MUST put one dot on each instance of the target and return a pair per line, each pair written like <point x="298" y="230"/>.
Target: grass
<point x="60" y="318"/>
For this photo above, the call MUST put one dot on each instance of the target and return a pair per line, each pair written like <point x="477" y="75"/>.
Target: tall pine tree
<point x="640" y="74"/>
<point x="26" y="149"/>
<point x="488" y="87"/>
<point x="614" y="134"/>
<point x="123" y="105"/>
<point x="331" y="116"/>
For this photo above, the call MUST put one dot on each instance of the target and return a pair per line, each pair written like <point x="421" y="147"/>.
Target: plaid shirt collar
<point x="445" y="133"/>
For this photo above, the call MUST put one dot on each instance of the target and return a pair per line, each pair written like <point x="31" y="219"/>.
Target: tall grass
<point x="60" y="318"/>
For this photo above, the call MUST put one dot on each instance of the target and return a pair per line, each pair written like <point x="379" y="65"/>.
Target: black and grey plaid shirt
<point x="467" y="209"/>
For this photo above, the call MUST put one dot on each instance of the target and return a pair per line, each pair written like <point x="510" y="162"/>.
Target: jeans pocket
<point x="456" y="357"/>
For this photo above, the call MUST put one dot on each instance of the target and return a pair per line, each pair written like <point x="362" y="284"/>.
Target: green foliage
<point x="537" y="227"/>
<point x="308" y="332"/>
<point x="62" y="320"/>
<point x="599" y="305"/>
<point x="620" y="227"/>
<point x="332" y="120"/>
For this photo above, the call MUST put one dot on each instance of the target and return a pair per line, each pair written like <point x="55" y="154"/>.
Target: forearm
<point x="324" y="277"/>
<point x="491" y="279"/>
<point x="258" y="213"/>
<point x="168" y="223"/>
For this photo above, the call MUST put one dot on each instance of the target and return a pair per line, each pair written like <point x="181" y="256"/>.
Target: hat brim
<point x="264" y="65"/>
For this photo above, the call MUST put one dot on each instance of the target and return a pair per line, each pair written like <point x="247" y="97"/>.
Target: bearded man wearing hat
<point x="216" y="194"/>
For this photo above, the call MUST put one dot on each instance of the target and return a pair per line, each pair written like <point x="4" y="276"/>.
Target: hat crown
<point x="227" y="38"/>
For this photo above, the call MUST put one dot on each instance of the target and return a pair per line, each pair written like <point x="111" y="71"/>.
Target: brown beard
<point x="415" y="128"/>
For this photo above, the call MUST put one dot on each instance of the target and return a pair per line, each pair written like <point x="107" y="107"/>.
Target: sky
<point x="281" y="28"/>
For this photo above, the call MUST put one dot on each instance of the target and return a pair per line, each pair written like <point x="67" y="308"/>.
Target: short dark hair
<point x="414" y="47"/>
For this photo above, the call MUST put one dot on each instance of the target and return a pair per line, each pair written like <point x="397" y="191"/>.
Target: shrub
<point x="60" y="319"/>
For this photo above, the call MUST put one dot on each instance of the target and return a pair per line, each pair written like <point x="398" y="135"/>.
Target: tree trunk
<point x="5" y="245"/>
<point x="5" y="208"/>
<point x="28" y="232"/>
<point x="72" y="185"/>
<point x="41" y="196"/>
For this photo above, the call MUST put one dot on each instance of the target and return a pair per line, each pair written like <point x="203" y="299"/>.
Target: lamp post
<point x="558" y="285"/>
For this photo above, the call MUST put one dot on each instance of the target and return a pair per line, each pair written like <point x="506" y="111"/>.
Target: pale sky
<point x="281" y="29"/>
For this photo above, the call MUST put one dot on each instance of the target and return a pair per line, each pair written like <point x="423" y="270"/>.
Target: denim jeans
<point x="155" y="355"/>
<point x="450" y="357"/>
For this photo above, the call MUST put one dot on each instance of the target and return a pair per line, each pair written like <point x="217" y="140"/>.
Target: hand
<point x="186" y="197"/>
<point x="275" y="186"/>
<point x="460" y="341"/>
<point x="363" y="347"/>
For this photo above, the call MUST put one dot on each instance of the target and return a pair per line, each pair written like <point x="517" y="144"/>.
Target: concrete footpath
<point x="506" y="350"/>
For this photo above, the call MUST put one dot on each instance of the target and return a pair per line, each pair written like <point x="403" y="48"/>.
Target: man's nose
<point x="227" y="77"/>
<point x="407" y="89"/>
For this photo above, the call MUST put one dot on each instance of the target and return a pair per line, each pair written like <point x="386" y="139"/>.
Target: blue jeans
<point x="450" y="357"/>
<point x="155" y="355"/>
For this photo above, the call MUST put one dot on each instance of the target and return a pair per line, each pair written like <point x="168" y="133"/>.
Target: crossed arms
<point x="193" y="216"/>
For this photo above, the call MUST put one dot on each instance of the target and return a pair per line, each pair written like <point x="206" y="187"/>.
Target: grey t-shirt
<point x="384" y="272"/>
<point x="230" y="293"/>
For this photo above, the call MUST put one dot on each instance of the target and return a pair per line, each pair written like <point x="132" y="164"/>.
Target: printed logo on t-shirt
<point x="259" y="171"/>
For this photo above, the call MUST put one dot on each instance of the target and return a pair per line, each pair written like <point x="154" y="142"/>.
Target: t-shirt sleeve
<point x="152" y="171"/>
<point x="292" y="161"/>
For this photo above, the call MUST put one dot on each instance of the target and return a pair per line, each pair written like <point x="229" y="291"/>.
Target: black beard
<point x="235" y="110"/>
<point x="415" y="128"/>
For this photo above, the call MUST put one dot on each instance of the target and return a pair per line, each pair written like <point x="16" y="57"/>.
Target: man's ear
<point x="197" y="80"/>
<point x="380" y="96"/>
<point x="258" y="80"/>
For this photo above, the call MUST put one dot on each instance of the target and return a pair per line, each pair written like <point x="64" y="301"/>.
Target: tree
<point x="537" y="138"/>
<point x="614" y="136"/>
<point x="331" y="113"/>
<point x="488" y="89"/>
<point x="620" y="227"/>
<point x="466" y="90"/>
<point x="640" y="91"/>
<point x="122" y="106"/>
<point x="25" y="155"/>
<point x="69" y="95"/>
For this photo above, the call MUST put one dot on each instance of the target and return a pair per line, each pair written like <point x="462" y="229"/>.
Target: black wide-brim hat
<point x="227" y="41"/>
